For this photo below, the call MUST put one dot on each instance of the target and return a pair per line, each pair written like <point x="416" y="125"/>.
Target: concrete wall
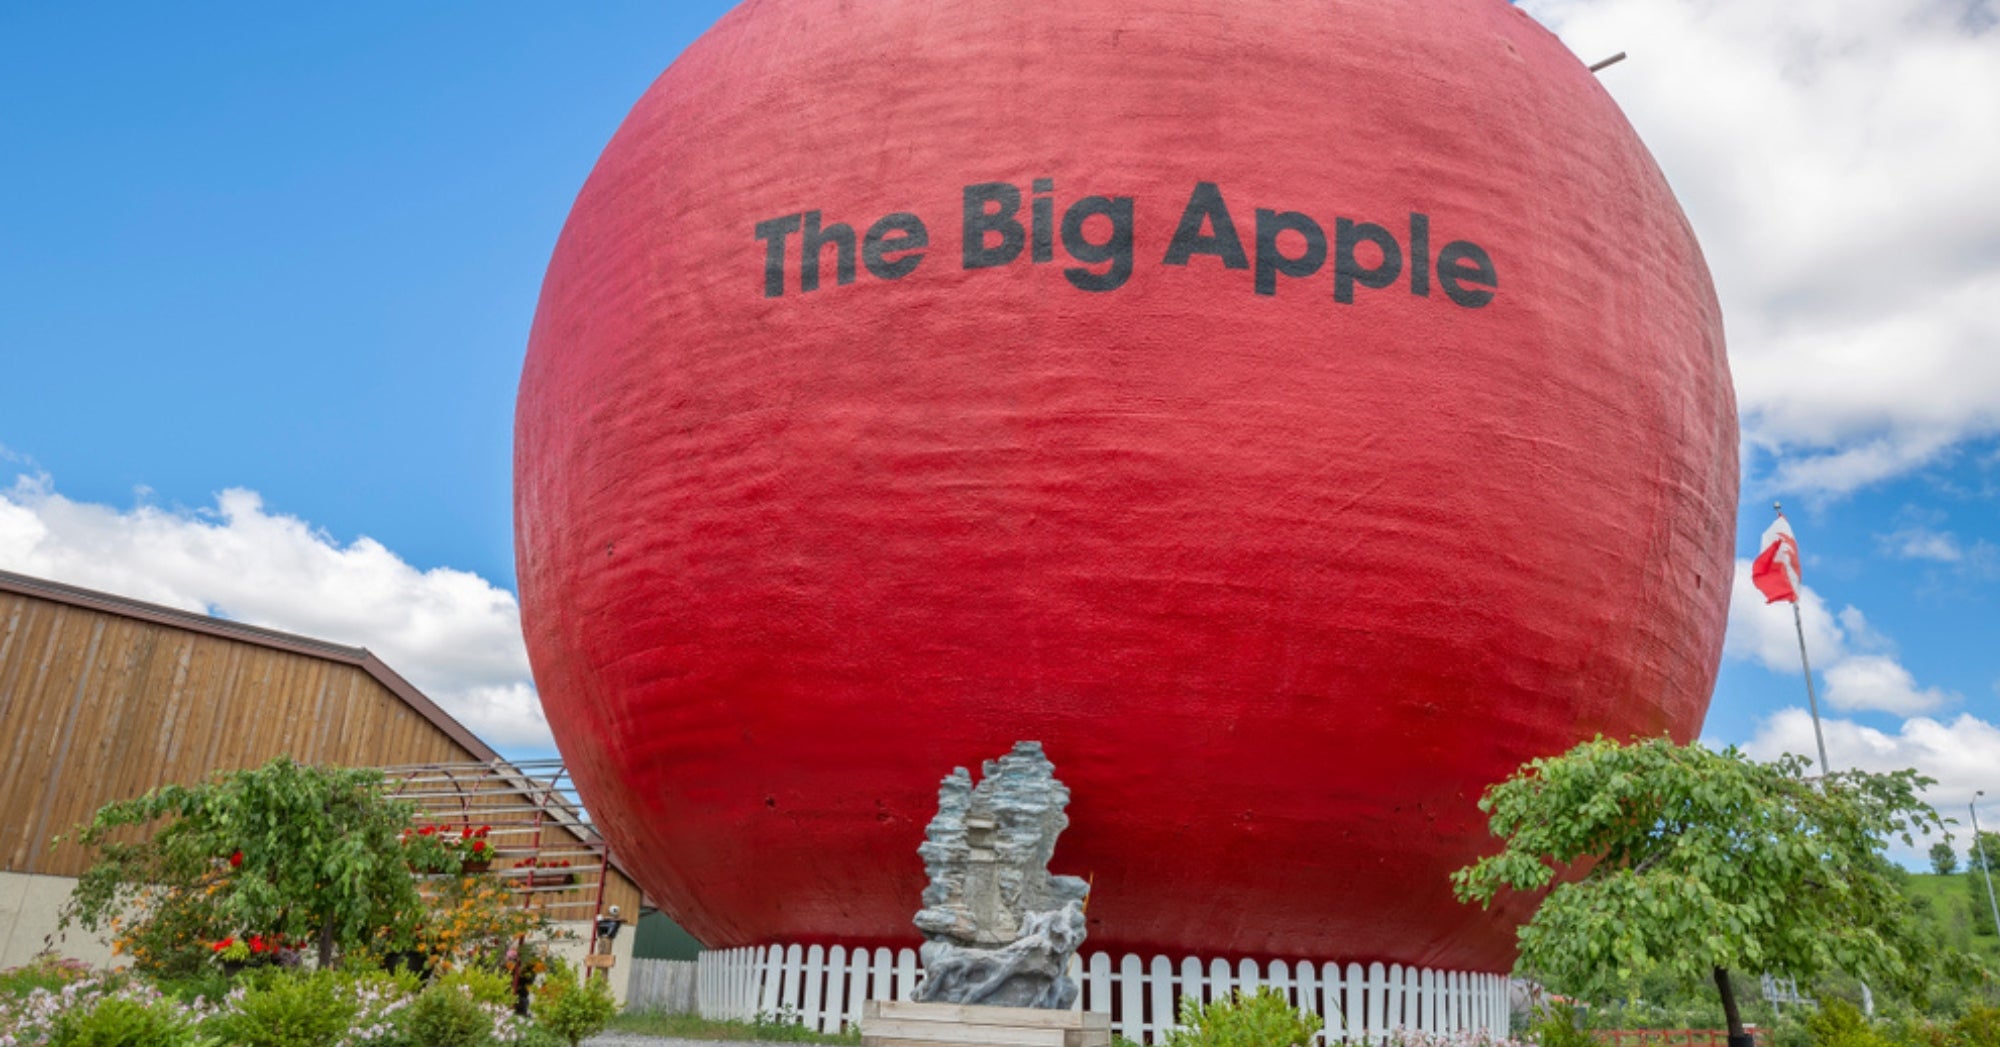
<point x="29" y="904"/>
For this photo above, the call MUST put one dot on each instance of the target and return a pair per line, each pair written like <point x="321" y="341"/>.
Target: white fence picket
<point x="814" y="973"/>
<point x="1192" y="981"/>
<point x="1131" y="1019"/>
<point x="857" y="986"/>
<point x="906" y="974"/>
<point x="1160" y="979"/>
<point x="1096" y="987"/>
<point x="1305" y="987"/>
<point x="1278" y="978"/>
<point x="1220" y="982"/>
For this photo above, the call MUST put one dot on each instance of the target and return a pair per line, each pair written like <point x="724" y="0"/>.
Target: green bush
<point x="490" y="987"/>
<point x="1261" y="1019"/>
<point x="571" y="1009"/>
<point x="1979" y="1026"/>
<point x="1788" y="1031"/>
<point x="447" y="1016"/>
<point x="1838" y="1023"/>
<point x="1557" y="1024"/>
<point x="210" y="984"/>
<point x="122" y="1022"/>
<point x="288" y="1009"/>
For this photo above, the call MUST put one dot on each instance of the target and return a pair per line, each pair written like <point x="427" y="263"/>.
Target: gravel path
<point x="633" y="1039"/>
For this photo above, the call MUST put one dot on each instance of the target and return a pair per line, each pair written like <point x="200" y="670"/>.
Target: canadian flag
<point x="1776" y="572"/>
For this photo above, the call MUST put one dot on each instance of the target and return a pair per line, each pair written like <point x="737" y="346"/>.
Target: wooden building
<point x="103" y="698"/>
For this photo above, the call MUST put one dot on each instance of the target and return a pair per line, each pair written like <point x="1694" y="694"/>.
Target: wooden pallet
<point x="886" y="1023"/>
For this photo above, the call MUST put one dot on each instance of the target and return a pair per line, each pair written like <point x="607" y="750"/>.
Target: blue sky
<point x="266" y="275"/>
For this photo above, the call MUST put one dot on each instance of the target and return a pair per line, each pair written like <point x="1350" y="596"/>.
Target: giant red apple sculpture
<point x="1294" y="415"/>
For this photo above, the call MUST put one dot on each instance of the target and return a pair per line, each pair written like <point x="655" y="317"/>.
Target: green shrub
<point x="1557" y="1024"/>
<point x="1838" y="1023"/>
<point x="485" y="986"/>
<point x="287" y="1009"/>
<point x="210" y="984"/>
<point x="118" y="1021"/>
<point x="1261" y="1019"/>
<point x="1788" y="1031"/>
<point x="447" y="1016"/>
<point x="397" y="983"/>
<point x="573" y="1009"/>
<point x="1979" y="1026"/>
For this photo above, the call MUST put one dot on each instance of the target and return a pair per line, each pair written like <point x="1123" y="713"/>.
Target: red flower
<point x="236" y="860"/>
<point x="483" y="830"/>
<point x="478" y="846"/>
<point x="465" y="833"/>
<point x="256" y="943"/>
<point x="223" y="944"/>
<point x="427" y="830"/>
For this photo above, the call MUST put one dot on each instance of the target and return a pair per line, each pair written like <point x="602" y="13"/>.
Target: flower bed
<point x="372" y="1009"/>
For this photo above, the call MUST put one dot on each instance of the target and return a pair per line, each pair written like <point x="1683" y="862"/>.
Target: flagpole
<point x="1812" y="699"/>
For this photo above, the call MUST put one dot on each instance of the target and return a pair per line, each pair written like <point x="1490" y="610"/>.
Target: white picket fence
<point x="825" y="988"/>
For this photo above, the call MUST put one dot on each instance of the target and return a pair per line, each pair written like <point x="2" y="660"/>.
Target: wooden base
<point x="892" y="1024"/>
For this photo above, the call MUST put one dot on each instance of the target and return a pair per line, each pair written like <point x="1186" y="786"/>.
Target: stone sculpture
<point x="1000" y="929"/>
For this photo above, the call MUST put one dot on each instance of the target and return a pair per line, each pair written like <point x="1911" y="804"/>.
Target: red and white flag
<point x="1776" y="572"/>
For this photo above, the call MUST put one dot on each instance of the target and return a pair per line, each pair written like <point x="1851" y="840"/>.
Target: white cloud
<point x="454" y="635"/>
<point x="1963" y="755"/>
<point x="1857" y="662"/>
<point x="1922" y="543"/>
<point x="1879" y="682"/>
<point x="1836" y="159"/>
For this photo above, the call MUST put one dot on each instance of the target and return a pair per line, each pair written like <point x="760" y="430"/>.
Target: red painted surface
<point x="1281" y="583"/>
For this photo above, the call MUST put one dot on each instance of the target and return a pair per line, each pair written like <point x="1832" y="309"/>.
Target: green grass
<point x="1947" y="904"/>
<point x="46" y="972"/>
<point x="695" y="1027"/>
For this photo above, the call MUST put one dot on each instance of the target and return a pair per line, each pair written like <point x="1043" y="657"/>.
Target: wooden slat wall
<point x="97" y="707"/>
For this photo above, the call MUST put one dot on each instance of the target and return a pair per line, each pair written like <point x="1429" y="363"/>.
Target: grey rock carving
<point x="1000" y="929"/>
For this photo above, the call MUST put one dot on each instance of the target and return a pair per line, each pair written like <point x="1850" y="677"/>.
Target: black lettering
<point x="774" y="234"/>
<point x="979" y="222"/>
<point x="841" y="236"/>
<point x="1117" y="249"/>
<point x="1347" y="235"/>
<point x="1271" y="261"/>
<point x="1043" y="248"/>
<point x="1205" y="205"/>
<point x="1420" y="255"/>
<point x="894" y="233"/>
<point x="1460" y="263"/>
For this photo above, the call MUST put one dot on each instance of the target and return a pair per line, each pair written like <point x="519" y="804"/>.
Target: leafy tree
<point x="1977" y="903"/>
<point x="1987" y="843"/>
<point x="1944" y="860"/>
<point x="1700" y="862"/>
<point x="307" y="853"/>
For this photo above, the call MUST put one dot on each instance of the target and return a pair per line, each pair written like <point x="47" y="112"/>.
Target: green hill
<point x="1947" y="903"/>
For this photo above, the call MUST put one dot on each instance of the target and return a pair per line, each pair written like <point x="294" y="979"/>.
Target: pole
<point x="1980" y="850"/>
<point x="1812" y="699"/>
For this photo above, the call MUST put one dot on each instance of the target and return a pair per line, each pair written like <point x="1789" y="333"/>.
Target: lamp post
<point x="1980" y="850"/>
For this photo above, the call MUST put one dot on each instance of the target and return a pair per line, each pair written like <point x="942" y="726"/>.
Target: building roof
<point x="359" y="657"/>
